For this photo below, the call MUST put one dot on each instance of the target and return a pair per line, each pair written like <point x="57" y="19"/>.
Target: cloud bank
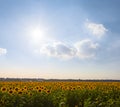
<point x="3" y="51"/>
<point x="59" y="50"/>
<point x="82" y="49"/>
<point x="86" y="48"/>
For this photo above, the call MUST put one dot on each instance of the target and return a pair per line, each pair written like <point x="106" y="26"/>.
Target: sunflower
<point x="3" y="89"/>
<point x="48" y="91"/>
<point x="10" y="92"/>
<point x="16" y="89"/>
<point x="20" y="92"/>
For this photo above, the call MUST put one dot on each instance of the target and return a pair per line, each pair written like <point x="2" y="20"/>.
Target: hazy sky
<point x="60" y="39"/>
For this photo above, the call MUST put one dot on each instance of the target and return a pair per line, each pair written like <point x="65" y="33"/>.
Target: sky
<point x="64" y="39"/>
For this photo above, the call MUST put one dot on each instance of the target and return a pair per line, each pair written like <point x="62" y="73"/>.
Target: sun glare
<point x="36" y="34"/>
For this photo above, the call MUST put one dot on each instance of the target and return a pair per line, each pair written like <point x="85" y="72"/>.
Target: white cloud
<point x="83" y="50"/>
<point x="59" y="50"/>
<point x="96" y="29"/>
<point x="3" y="51"/>
<point x="86" y="48"/>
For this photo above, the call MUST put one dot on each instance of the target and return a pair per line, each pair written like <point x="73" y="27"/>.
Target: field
<point x="59" y="94"/>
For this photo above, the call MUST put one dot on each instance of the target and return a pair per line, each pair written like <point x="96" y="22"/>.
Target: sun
<point x="37" y="34"/>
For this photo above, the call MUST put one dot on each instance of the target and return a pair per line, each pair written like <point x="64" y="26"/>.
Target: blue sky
<point x="77" y="39"/>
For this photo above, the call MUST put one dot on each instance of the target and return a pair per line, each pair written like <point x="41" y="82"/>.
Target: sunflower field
<point x="59" y="94"/>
